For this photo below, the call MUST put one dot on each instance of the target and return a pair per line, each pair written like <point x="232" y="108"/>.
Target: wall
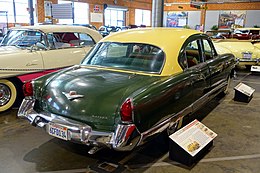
<point x="209" y="16"/>
<point x="130" y="4"/>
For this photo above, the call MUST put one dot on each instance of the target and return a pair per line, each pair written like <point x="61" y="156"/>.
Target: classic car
<point x="247" y="52"/>
<point x="246" y="33"/>
<point x="31" y="51"/>
<point x="239" y="33"/>
<point x="219" y="34"/>
<point x="133" y="85"/>
<point x="106" y="30"/>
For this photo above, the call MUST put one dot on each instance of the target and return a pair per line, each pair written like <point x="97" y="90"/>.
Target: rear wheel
<point x="225" y="91"/>
<point x="228" y="84"/>
<point x="8" y="94"/>
<point x="248" y="67"/>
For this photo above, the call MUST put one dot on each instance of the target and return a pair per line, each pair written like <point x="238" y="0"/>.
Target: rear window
<point x="127" y="56"/>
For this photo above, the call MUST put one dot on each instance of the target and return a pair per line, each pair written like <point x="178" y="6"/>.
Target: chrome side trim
<point x="124" y="138"/>
<point x="175" y="117"/>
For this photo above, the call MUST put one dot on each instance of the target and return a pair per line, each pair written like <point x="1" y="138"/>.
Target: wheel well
<point x="17" y="82"/>
<point x="232" y="73"/>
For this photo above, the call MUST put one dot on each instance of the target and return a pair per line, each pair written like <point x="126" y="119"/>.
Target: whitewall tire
<point x="8" y="94"/>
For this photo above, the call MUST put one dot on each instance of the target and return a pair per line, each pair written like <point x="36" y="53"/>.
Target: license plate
<point x="58" y="131"/>
<point x="255" y="68"/>
<point x="247" y="55"/>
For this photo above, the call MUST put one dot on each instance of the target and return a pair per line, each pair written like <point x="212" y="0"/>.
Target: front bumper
<point x="243" y="61"/>
<point x="124" y="138"/>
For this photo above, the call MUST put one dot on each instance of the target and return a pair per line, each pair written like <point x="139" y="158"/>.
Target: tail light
<point x="28" y="89"/>
<point x="126" y="111"/>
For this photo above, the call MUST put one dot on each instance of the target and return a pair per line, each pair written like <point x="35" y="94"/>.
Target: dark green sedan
<point x="132" y="85"/>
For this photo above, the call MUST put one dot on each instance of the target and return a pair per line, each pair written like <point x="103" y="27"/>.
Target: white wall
<point x="211" y="19"/>
<point x="193" y="19"/>
<point x="252" y="18"/>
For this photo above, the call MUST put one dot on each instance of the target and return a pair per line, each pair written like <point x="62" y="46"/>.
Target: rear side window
<point x="86" y="40"/>
<point x="192" y="54"/>
<point x="207" y="50"/>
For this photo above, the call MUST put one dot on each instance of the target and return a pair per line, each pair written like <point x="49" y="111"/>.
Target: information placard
<point x="193" y="137"/>
<point x="96" y="17"/>
<point x="247" y="90"/>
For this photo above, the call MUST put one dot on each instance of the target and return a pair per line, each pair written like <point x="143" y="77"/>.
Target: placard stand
<point x="243" y="93"/>
<point x="191" y="143"/>
<point x="178" y="154"/>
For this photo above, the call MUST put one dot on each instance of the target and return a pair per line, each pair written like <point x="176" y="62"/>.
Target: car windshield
<point x="21" y="38"/>
<point x="127" y="56"/>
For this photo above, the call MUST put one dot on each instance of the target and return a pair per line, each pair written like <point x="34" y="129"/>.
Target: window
<point x="63" y="40"/>
<point x="22" y="38"/>
<point x="8" y="6"/>
<point x="127" y="56"/>
<point x="142" y="17"/>
<point x="81" y="13"/>
<point x="207" y="49"/>
<point x="68" y="39"/>
<point x="22" y="15"/>
<point x="114" y="17"/>
<point x="192" y="53"/>
<point x="86" y="40"/>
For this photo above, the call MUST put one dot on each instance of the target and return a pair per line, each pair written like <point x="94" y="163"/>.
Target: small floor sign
<point x="191" y="143"/>
<point x="193" y="137"/>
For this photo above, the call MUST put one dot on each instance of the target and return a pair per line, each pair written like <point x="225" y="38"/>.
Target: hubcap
<point x="5" y="94"/>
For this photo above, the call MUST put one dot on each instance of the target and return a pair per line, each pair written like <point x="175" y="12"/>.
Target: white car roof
<point x="55" y="28"/>
<point x="63" y="28"/>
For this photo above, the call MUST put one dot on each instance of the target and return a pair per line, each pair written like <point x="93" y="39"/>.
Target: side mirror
<point x="38" y="46"/>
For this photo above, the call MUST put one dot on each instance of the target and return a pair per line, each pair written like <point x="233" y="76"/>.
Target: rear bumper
<point x="124" y="138"/>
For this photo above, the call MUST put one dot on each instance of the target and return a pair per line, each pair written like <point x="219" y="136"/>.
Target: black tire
<point x="248" y="67"/>
<point x="225" y="91"/>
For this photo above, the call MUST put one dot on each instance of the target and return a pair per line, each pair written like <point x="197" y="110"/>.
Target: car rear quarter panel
<point x="161" y="100"/>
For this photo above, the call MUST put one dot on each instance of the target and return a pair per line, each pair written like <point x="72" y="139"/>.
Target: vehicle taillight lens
<point x="28" y="89"/>
<point x="126" y="110"/>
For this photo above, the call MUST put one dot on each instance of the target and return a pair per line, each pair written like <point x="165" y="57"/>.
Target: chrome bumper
<point x="255" y="60"/>
<point x="124" y="138"/>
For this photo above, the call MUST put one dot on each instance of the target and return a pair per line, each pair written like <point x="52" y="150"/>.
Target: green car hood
<point x="101" y="94"/>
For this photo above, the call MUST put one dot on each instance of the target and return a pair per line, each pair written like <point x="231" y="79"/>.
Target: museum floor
<point x="236" y="149"/>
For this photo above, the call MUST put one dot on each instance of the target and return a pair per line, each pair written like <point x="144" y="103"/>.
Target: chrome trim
<point x="255" y="60"/>
<point x="5" y="94"/>
<point x="175" y="117"/>
<point x="124" y="138"/>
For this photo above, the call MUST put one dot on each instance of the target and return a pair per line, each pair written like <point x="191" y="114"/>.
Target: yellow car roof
<point x="170" y="40"/>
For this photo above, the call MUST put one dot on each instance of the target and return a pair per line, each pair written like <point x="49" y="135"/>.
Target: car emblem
<point x="72" y="95"/>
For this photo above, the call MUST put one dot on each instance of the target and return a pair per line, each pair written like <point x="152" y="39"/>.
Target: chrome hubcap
<point x="5" y="94"/>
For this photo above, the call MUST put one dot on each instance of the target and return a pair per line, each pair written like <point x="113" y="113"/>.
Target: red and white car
<point x="32" y="51"/>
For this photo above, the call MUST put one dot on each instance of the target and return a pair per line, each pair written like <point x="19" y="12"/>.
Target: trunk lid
<point x="99" y="95"/>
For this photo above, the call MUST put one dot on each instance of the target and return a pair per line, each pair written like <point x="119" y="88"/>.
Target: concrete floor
<point x="26" y="149"/>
